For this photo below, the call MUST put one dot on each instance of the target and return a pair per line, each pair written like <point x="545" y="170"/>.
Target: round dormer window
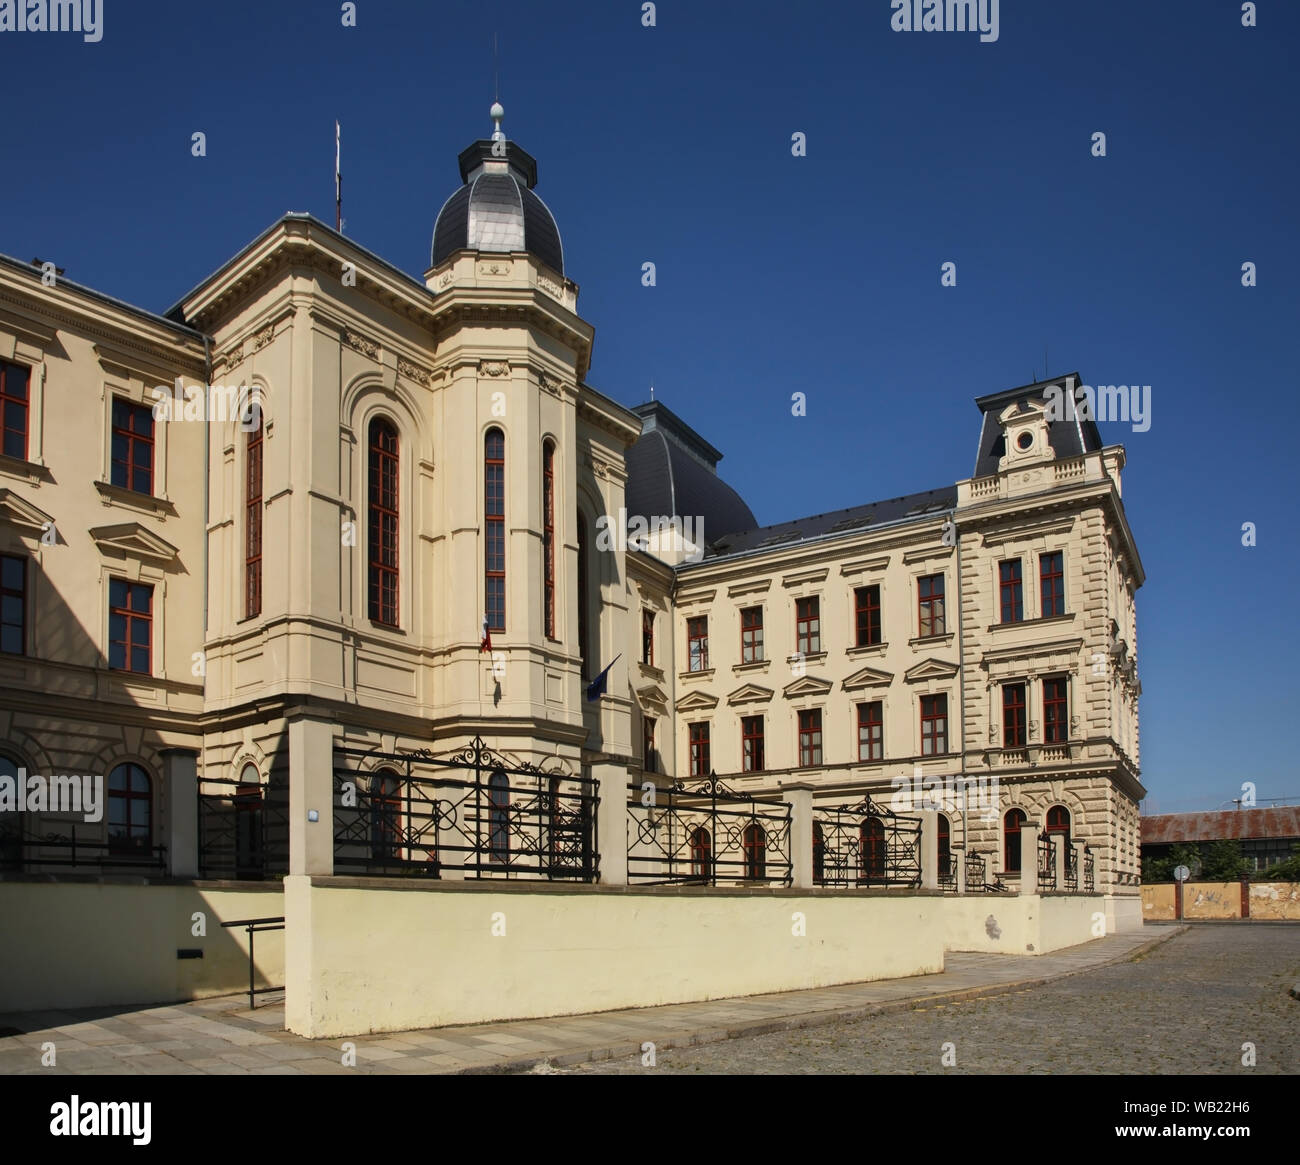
<point x="1025" y="441"/>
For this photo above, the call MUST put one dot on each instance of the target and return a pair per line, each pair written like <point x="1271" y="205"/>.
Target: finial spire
<point x="497" y="113"/>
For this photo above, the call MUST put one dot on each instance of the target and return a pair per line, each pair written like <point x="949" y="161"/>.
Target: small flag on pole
<point x="338" y="177"/>
<point x="597" y="687"/>
<point x="486" y="643"/>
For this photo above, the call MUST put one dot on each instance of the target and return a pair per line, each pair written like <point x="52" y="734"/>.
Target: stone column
<point x="311" y="790"/>
<point x="1029" y="856"/>
<point x="929" y="850"/>
<point x="611" y="822"/>
<point x="798" y="796"/>
<point x="180" y="775"/>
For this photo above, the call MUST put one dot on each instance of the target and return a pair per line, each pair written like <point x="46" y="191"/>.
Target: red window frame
<point x="699" y="748"/>
<point x="1013" y="716"/>
<point x="810" y="738"/>
<point x="582" y="591"/>
<point x="871" y="731"/>
<point x="1058" y="821"/>
<point x="130" y="810"/>
<point x="1011" y="835"/>
<point x="494" y="528"/>
<point x="130" y="609"/>
<point x="649" y="762"/>
<point x="929" y="606"/>
<point x="701" y="844"/>
<point x="754" y="843"/>
<point x="808" y="625"/>
<point x="751" y="635"/>
<point x="1056" y="710"/>
<point x="253" y="523"/>
<point x="384" y="466"/>
<point x="13" y="604"/>
<point x="385" y="799"/>
<point x="751" y="744"/>
<point x="943" y="829"/>
<point x="15" y="408"/>
<point x="132" y="444"/>
<point x="1011" y="591"/>
<point x="871" y="841"/>
<point x="548" y="539"/>
<point x="697" y="643"/>
<point x="866" y="615"/>
<point x="1051" y="577"/>
<point x="934" y="725"/>
<point x="647" y="637"/>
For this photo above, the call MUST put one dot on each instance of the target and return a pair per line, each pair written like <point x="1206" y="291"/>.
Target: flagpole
<point x="338" y="177"/>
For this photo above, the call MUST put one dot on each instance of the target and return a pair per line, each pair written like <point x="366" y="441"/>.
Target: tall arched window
<point x="1058" y="821"/>
<point x="253" y="522"/>
<point x="548" y="538"/>
<point x="494" y="528"/>
<point x="583" y="643"/>
<point x="701" y="853"/>
<point x="1011" y="824"/>
<point x="871" y="835"/>
<point x="248" y="823"/>
<point x="499" y="817"/>
<point x="945" y="847"/>
<point x="130" y="810"/>
<point x="754" y="841"/>
<point x="11" y="824"/>
<point x="383" y="522"/>
<point x="385" y="815"/>
<point x="819" y="854"/>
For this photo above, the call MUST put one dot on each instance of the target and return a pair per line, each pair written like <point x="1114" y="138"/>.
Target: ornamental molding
<point x="551" y="288"/>
<point x="494" y="268"/>
<point x="494" y="368"/>
<point x="413" y="371"/>
<point x="551" y="384"/>
<point x="264" y="337"/>
<point x="361" y="344"/>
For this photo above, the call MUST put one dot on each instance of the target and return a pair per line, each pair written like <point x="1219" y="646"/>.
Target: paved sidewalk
<point x="221" y="1036"/>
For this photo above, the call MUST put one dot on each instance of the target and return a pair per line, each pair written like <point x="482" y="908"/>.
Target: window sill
<point x="933" y="640"/>
<point x="757" y="665"/>
<point x="28" y="471"/>
<point x="651" y="672"/>
<point x="703" y="673"/>
<point x="391" y="628"/>
<point x="134" y="500"/>
<point x="1068" y="617"/>
<point x="809" y="657"/>
<point x="866" y="649"/>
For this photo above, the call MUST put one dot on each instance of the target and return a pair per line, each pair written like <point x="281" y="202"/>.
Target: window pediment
<point x="930" y="669"/>
<point x="133" y="541"/>
<point x="652" y="695"/>
<point x="697" y="702"/>
<point x="750" y="694"/>
<point x="868" y="677"/>
<point x="19" y="512"/>
<point x="807" y="686"/>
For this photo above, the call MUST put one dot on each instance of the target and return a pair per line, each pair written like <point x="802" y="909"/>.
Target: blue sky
<point x="778" y="274"/>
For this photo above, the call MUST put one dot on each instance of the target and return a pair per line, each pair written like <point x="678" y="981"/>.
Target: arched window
<point x="385" y="815"/>
<point x="1058" y="821"/>
<point x="548" y="538"/>
<point x="1011" y="824"/>
<point x="11" y="824"/>
<point x="383" y="522"/>
<point x="701" y="853"/>
<point x="583" y="643"/>
<point x="945" y="847"/>
<point x="248" y="823"/>
<point x="819" y="854"/>
<point x="872" y="837"/>
<point x="253" y="522"/>
<point x="494" y="528"/>
<point x="130" y="810"/>
<point x="754" y="842"/>
<point x="499" y="817"/>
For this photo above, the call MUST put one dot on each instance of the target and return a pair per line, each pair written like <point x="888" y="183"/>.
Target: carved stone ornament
<point x="444" y="280"/>
<point x="264" y="337"/>
<point x="413" y="372"/>
<point x="551" y="384"/>
<point x="494" y="268"/>
<point x="494" y="368"/>
<point x="235" y="355"/>
<point x="549" y="286"/>
<point x="361" y="344"/>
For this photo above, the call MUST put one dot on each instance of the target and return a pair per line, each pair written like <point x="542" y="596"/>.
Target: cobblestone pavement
<point x="1187" y="1006"/>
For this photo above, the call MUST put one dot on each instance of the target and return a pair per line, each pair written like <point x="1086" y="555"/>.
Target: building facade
<point x="380" y="518"/>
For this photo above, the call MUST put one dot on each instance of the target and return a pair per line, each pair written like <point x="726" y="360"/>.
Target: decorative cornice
<point x="494" y="368"/>
<point x="134" y="541"/>
<point x="413" y="371"/>
<point x="361" y="344"/>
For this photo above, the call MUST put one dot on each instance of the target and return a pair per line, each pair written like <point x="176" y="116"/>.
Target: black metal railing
<point x="948" y="871"/>
<point x="20" y="851"/>
<point x="1071" y="869"/>
<point x="243" y="829"/>
<point x="1089" y="885"/>
<point x="865" y="845"/>
<point x="470" y="813"/>
<point x="254" y="927"/>
<point x="1046" y="863"/>
<point x="706" y="834"/>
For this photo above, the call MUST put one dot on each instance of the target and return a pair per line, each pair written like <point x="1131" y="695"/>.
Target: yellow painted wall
<point x="1020" y="925"/>
<point x="1275" y="900"/>
<point x="67" y="944"/>
<point x="1212" y="900"/>
<point x="1159" y="902"/>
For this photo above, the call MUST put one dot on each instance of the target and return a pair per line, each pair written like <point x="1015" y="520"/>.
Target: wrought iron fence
<point x="1046" y="866"/>
<point x="1071" y="869"/>
<point x="865" y="845"/>
<point x="706" y="834"/>
<point x="20" y="851"/>
<point x="243" y="829"/>
<point x="1088" y="882"/>
<point x="470" y="814"/>
<point x="948" y="872"/>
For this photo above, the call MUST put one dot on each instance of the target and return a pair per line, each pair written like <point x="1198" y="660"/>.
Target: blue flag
<point x="597" y="687"/>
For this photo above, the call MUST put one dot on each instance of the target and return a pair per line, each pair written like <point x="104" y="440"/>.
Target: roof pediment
<point x="697" y="702"/>
<point x="930" y="669"/>
<point x="807" y="686"/>
<point x="134" y="541"/>
<point x="20" y="512"/>
<point x="868" y="677"/>
<point x="750" y="694"/>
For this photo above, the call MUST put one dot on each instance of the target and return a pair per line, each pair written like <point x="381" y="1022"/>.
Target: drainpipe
<point x="207" y="472"/>
<point x="961" y="671"/>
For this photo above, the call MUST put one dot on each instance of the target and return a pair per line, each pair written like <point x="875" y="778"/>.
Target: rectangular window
<point x="697" y="643"/>
<point x="132" y="450"/>
<point x="130" y="626"/>
<point x="751" y="743"/>
<point x="700" y="749"/>
<point x="1051" y="575"/>
<point x="866" y="607"/>
<point x="810" y="738"/>
<point x="871" y="731"/>
<point x="929" y="592"/>
<point x="15" y="381"/>
<point x="751" y="635"/>
<point x="1013" y="715"/>
<point x="253" y="526"/>
<point x="548" y="539"/>
<point x="1011" y="591"/>
<point x="13" y="604"/>
<point x="1056" y="710"/>
<point x="934" y="725"/>
<point x="649" y="761"/>
<point x="648" y="637"/>
<point x="808" y="626"/>
<point x="494" y="518"/>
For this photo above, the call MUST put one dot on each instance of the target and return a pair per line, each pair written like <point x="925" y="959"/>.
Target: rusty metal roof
<point x="1244" y="824"/>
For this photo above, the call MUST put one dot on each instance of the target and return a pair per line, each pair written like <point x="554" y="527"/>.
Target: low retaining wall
<point x="86" y="944"/>
<point x="1023" y="924"/>
<point x="1221" y="901"/>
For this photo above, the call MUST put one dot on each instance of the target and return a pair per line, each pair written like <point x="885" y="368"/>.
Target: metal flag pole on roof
<point x="338" y="177"/>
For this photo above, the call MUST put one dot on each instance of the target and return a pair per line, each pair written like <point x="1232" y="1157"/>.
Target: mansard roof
<point x="1068" y="438"/>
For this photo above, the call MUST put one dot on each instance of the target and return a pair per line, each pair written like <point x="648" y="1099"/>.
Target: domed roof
<point x="496" y="210"/>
